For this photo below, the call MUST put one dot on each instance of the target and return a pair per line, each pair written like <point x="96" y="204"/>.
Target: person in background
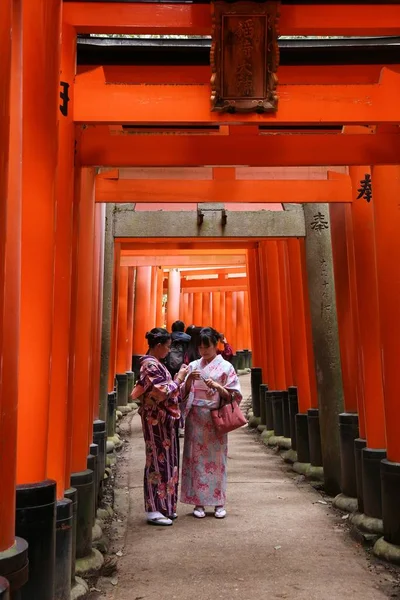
<point x="179" y="346"/>
<point x="192" y="351"/>
<point x="210" y="379"/>
<point x="227" y="352"/>
<point x="159" y="411"/>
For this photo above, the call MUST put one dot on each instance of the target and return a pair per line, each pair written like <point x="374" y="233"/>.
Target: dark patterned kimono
<point x="159" y="411"/>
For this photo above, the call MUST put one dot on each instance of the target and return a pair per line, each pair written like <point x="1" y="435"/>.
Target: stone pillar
<point x="325" y="338"/>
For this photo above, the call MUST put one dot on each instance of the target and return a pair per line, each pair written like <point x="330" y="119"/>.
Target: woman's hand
<point x="213" y="385"/>
<point x="181" y="375"/>
<point x="194" y="375"/>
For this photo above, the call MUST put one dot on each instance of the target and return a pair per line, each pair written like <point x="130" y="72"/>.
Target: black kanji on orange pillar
<point x="365" y="189"/>
<point x="64" y="97"/>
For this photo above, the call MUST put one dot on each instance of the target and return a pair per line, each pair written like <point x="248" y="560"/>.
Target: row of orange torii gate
<point x="53" y="261"/>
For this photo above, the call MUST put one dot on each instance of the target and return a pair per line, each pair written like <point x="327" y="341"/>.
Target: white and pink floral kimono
<point x="203" y="481"/>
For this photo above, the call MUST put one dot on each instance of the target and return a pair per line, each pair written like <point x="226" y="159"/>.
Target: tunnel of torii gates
<point x="119" y="183"/>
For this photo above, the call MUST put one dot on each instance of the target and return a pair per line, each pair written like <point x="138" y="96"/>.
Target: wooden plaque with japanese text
<point x="244" y="56"/>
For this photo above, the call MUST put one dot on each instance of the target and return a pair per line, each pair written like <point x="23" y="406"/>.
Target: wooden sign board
<point x="244" y="56"/>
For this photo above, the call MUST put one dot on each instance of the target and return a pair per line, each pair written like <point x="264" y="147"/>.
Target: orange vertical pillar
<point x="141" y="321"/>
<point x="190" y="311"/>
<point x="174" y="296"/>
<point x="385" y="195"/>
<point x="371" y="411"/>
<point x="114" y="311"/>
<point x="82" y="325"/>
<point x="310" y="347"/>
<point x="159" y="299"/>
<point x="60" y="423"/>
<point x="345" y="316"/>
<point x="153" y="299"/>
<point x="185" y="301"/>
<point x="254" y="307"/>
<point x="228" y="316"/>
<point x="222" y="311"/>
<point x="206" y="318"/>
<point x="247" y="337"/>
<point x="97" y="307"/>
<point x="216" y="311"/>
<point x="131" y="293"/>
<point x="284" y="294"/>
<point x="41" y="38"/>
<point x="274" y="298"/>
<point x="198" y="309"/>
<point x="122" y="319"/>
<point x="371" y="403"/>
<point x="240" y="321"/>
<point x="263" y="317"/>
<point x="233" y="335"/>
<point x="10" y="276"/>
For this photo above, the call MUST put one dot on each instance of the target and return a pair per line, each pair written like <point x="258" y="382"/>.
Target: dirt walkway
<point x="280" y="540"/>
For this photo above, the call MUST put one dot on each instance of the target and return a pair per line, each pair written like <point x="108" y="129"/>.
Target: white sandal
<point x="220" y="512"/>
<point x="157" y="518"/>
<point x="199" y="512"/>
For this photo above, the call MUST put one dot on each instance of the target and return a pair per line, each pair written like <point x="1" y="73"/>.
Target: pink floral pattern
<point x="205" y="455"/>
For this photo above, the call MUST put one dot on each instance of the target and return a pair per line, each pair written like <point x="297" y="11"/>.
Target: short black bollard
<point x="293" y="410"/>
<point x="348" y="432"/>
<point x="14" y="568"/>
<point x="263" y="405"/>
<point x="371" y="481"/>
<point x="72" y="494"/>
<point x="314" y="437"/>
<point x="100" y="439"/>
<point x="131" y="382"/>
<point x="269" y="416"/>
<point x="36" y="523"/>
<point x="92" y="466"/>
<point x="277" y="409"/>
<point x="111" y="414"/>
<point x="64" y="522"/>
<point x="359" y="444"/>
<point x="256" y="381"/>
<point x="234" y="362"/>
<point x="122" y="379"/>
<point x="136" y="365"/>
<point x="390" y="475"/>
<point x="246" y="356"/>
<point x="286" y="414"/>
<point x="84" y="485"/>
<point x="302" y="442"/>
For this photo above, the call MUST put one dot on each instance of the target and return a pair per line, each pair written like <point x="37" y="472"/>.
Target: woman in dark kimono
<point x="159" y="410"/>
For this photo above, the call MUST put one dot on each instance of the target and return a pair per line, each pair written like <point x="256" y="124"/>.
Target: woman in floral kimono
<point x="159" y="411"/>
<point x="205" y="454"/>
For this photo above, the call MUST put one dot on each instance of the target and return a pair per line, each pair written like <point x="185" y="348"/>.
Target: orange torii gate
<point x="48" y="201"/>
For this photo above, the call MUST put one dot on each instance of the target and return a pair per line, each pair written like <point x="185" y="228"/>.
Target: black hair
<point x="192" y="351"/>
<point x="208" y="336"/>
<point x="157" y="336"/>
<point x="178" y="326"/>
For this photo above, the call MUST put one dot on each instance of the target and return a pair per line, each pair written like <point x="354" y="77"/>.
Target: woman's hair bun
<point x="147" y="335"/>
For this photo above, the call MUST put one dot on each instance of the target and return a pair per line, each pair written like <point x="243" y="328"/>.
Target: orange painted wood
<point x="191" y="19"/>
<point x="247" y="338"/>
<point x="307" y="310"/>
<point x="185" y="312"/>
<point x="159" y="300"/>
<point x="81" y="321"/>
<point x="229" y="325"/>
<point x="264" y="320"/>
<point x="185" y="247"/>
<point x="206" y="309"/>
<point x="229" y="287"/>
<point x="122" y="319"/>
<point x="153" y="299"/>
<point x="283" y="280"/>
<point x="99" y="102"/>
<point x="344" y="306"/>
<point x="131" y="305"/>
<point x="216" y="310"/>
<point x="275" y="307"/>
<point x="60" y="416"/>
<point x="10" y="266"/>
<point x="386" y="190"/>
<point x="231" y="282"/>
<point x="166" y="191"/>
<point x="207" y="272"/>
<point x="190" y="319"/>
<point x="183" y="261"/>
<point x="98" y="146"/>
<point x="41" y="38"/>
<point x="299" y="335"/>
<point x="141" y="321"/>
<point x="198" y="309"/>
<point x="370" y="364"/>
<point x="240" y="322"/>
<point x="256" y="309"/>
<point x="173" y="300"/>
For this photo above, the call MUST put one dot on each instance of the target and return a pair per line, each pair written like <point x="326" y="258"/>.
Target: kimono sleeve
<point x="154" y="380"/>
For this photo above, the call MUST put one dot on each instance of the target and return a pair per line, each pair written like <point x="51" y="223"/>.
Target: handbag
<point x="227" y="417"/>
